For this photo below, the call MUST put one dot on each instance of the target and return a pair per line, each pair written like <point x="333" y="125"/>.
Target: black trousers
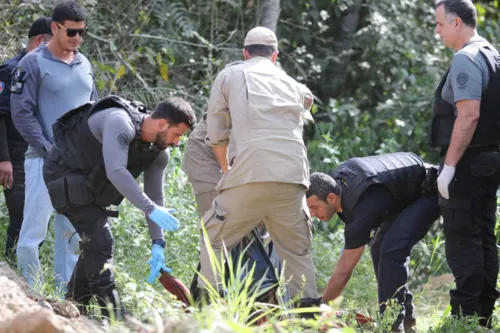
<point x="14" y="199"/>
<point x="71" y="197"/>
<point x="390" y="251"/>
<point x="469" y="223"/>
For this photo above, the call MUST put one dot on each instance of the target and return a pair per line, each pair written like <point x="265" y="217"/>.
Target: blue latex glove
<point x="157" y="263"/>
<point x="161" y="216"/>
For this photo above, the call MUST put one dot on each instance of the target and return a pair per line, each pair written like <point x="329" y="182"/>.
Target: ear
<point x="162" y="124"/>
<point x="275" y="56"/>
<point x="53" y="27"/>
<point x="245" y="54"/>
<point x="331" y="198"/>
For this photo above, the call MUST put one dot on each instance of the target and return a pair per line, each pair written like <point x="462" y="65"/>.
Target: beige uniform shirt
<point x="263" y="110"/>
<point x="199" y="162"/>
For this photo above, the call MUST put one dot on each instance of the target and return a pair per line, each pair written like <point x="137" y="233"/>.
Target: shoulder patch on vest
<point x="18" y="79"/>
<point x="2" y="86"/>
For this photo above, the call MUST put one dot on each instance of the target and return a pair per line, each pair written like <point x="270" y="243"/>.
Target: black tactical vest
<point x="401" y="173"/>
<point x="488" y="127"/>
<point x="81" y="153"/>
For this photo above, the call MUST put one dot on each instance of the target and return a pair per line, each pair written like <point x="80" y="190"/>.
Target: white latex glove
<point x="444" y="180"/>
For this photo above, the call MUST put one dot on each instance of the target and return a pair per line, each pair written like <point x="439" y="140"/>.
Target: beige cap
<point x="261" y="36"/>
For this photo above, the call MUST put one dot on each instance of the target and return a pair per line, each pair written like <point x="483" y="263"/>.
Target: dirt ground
<point x="24" y="311"/>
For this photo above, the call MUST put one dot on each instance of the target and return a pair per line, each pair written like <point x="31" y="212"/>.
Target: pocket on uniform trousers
<point x="486" y="165"/>
<point x="457" y="215"/>
<point x="78" y="191"/>
<point x="57" y="193"/>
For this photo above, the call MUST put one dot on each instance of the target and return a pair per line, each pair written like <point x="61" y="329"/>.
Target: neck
<point x="30" y="47"/>
<point x="147" y="132"/>
<point x="468" y="35"/>
<point x="339" y="208"/>
<point x="66" y="56"/>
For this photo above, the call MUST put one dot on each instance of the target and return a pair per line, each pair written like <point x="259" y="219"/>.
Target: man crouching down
<point x="395" y="193"/>
<point x="100" y="148"/>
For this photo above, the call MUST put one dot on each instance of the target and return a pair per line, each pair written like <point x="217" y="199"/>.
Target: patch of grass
<point x="159" y="311"/>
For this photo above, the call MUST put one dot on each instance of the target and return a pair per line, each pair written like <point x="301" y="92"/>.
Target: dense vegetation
<point x="373" y="66"/>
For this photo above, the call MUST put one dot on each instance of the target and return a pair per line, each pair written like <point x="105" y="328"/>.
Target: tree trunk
<point x="270" y="14"/>
<point x="348" y="28"/>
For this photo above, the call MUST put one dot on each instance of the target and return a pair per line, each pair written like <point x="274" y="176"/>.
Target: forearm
<point x="221" y="156"/>
<point x="335" y="286"/>
<point x="462" y="134"/>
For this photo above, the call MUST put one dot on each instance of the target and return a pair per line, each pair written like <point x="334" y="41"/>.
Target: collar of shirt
<point x="48" y="55"/>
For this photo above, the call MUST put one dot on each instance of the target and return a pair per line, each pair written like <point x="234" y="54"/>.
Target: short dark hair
<point x="68" y="11"/>
<point x="322" y="185"/>
<point x="260" y="50"/>
<point x="464" y="9"/>
<point x="176" y="110"/>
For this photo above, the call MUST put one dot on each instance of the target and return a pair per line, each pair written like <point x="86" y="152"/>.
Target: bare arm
<point x="467" y="81"/>
<point x="342" y="273"/>
<point x="463" y="130"/>
<point x="221" y="156"/>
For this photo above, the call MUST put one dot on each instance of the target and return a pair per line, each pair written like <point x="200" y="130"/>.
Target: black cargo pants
<point x="72" y="198"/>
<point x="14" y="199"/>
<point x="469" y="223"/>
<point x="390" y="251"/>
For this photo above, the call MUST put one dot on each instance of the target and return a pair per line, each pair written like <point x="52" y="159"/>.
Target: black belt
<point x="474" y="149"/>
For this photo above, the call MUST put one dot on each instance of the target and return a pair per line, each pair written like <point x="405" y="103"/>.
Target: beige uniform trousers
<point x="204" y="201"/>
<point x="282" y="207"/>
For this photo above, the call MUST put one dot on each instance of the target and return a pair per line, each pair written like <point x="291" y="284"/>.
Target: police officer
<point x="12" y="144"/>
<point x="384" y="192"/>
<point x="465" y="128"/>
<point x="263" y="109"/>
<point x="100" y="148"/>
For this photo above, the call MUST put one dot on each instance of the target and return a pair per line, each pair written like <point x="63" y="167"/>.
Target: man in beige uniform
<point x="263" y="111"/>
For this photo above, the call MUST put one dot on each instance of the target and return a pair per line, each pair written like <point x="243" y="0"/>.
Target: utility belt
<point x="429" y="185"/>
<point x="69" y="188"/>
<point x="473" y="150"/>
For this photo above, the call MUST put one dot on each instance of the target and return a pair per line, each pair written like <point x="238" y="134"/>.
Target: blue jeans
<point x="37" y="212"/>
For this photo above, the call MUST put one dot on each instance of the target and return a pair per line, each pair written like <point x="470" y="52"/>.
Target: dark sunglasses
<point x="72" y="32"/>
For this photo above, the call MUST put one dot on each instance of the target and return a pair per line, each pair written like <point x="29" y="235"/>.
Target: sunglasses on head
<point x="72" y="32"/>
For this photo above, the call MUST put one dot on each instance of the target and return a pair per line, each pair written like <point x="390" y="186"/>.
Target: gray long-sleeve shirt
<point x="43" y="89"/>
<point x="115" y="130"/>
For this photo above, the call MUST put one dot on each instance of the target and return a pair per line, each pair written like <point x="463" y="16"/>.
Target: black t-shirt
<point x="373" y="205"/>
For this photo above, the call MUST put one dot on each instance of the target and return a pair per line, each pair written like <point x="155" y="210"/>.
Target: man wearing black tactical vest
<point x="465" y="128"/>
<point x="395" y="193"/>
<point x="99" y="149"/>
